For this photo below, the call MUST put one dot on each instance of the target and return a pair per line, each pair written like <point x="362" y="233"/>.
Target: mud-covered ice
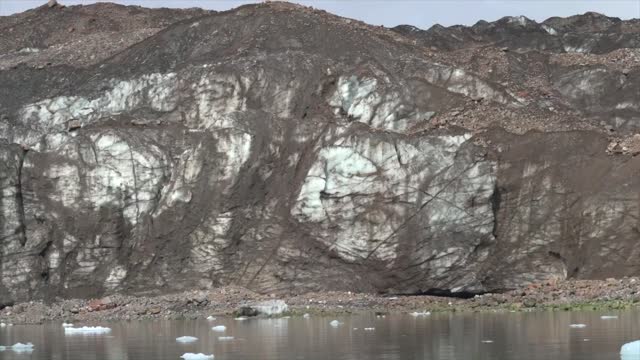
<point x="186" y="339"/>
<point x="87" y="330"/>
<point x="198" y="356"/>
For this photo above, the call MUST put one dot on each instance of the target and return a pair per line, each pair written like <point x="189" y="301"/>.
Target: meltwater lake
<point x="535" y="335"/>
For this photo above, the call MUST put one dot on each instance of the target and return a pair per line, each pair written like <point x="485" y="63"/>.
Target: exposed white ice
<point x="186" y="339"/>
<point x="334" y="323"/>
<point x="630" y="351"/>
<point x="18" y="348"/>
<point x="198" y="356"/>
<point x="87" y="330"/>
<point x="577" y="326"/>
<point x="424" y="313"/>
<point x="608" y="317"/>
<point x="225" y="338"/>
<point x="66" y="325"/>
<point x="219" y="328"/>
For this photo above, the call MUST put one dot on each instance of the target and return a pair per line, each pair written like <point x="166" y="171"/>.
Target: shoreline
<point x="610" y="294"/>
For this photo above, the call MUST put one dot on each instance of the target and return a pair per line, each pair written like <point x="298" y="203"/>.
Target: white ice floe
<point x="424" y="313"/>
<point x="87" y="330"/>
<point x="219" y="328"/>
<point x="210" y="318"/>
<point x="67" y="325"/>
<point x="225" y="338"/>
<point x="369" y="329"/>
<point x="18" y="347"/>
<point x="487" y="341"/>
<point x="608" y="317"/>
<point x="334" y="323"/>
<point x="306" y="316"/>
<point x="199" y="356"/>
<point x="186" y="339"/>
<point x="577" y="326"/>
<point x="241" y="318"/>
<point x="630" y="351"/>
<point x="3" y="324"/>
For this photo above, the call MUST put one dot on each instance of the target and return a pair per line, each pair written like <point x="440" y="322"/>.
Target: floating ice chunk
<point x="66" y="325"/>
<point x="241" y="318"/>
<point x="369" y="329"/>
<point x="577" y="326"/>
<point x="487" y="341"/>
<point x="199" y="356"/>
<point x="87" y="330"/>
<point x="630" y="351"/>
<point x="3" y="324"/>
<point x="186" y="339"/>
<point x="585" y="340"/>
<point x="355" y="328"/>
<point x="219" y="328"/>
<point x="608" y="317"/>
<point x="306" y="316"/>
<point x="225" y="338"/>
<point x="210" y="318"/>
<point x="271" y="307"/>
<point x="334" y="323"/>
<point x="18" y="347"/>
<point x="425" y="313"/>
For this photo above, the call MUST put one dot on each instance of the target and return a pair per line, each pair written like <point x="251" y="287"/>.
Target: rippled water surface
<point x="544" y="335"/>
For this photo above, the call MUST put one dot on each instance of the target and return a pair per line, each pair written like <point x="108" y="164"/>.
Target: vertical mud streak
<point x="20" y="201"/>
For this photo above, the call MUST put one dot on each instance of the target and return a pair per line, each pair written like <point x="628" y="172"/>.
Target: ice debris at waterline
<point x="306" y="316"/>
<point x="219" y="328"/>
<point x="66" y="325"/>
<point x="87" y="330"/>
<point x="210" y="318"/>
<point x="5" y="325"/>
<point x="416" y="314"/>
<point x="630" y="351"/>
<point x="608" y="317"/>
<point x="199" y="356"/>
<point x="487" y="341"/>
<point x="241" y="318"/>
<point x="334" y="323"/>
<point x="369" y="329"/>
<point x="18" y="347"/>
<point x="577" y="326"/>
<point x="271" y="307"/>
<point x="225" y="338"/>
<point x="186" y="339"/>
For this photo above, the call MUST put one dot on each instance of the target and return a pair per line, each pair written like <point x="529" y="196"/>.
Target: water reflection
<point x="530" y="336"/>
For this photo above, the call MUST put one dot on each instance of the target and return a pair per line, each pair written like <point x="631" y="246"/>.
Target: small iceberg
<point x="577" y="326"/>
<point x="3" y="324"/>
<point x="87" y="330"/>
<point x="199" y="356"/>
<point x="186" y="339"/>
<point x="416" y="314"/>
<point x="608" y="317"/>
<point x="18" y="348"/>
<point x="487" y="341"/>
<point x="67" y="325"/>
<point x="219" y="328"/>
<point x="225" y="338"/>
<point x="241" y="318"/>
<point x="334" y="323"/>
<point x="630" y="351"/>
<point x="210" y="318"/>
<point x="369" y="329"/>
<point x="306" y="315"/>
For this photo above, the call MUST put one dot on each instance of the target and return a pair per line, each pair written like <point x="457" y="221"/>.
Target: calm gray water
<point x="545" y="335"/>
